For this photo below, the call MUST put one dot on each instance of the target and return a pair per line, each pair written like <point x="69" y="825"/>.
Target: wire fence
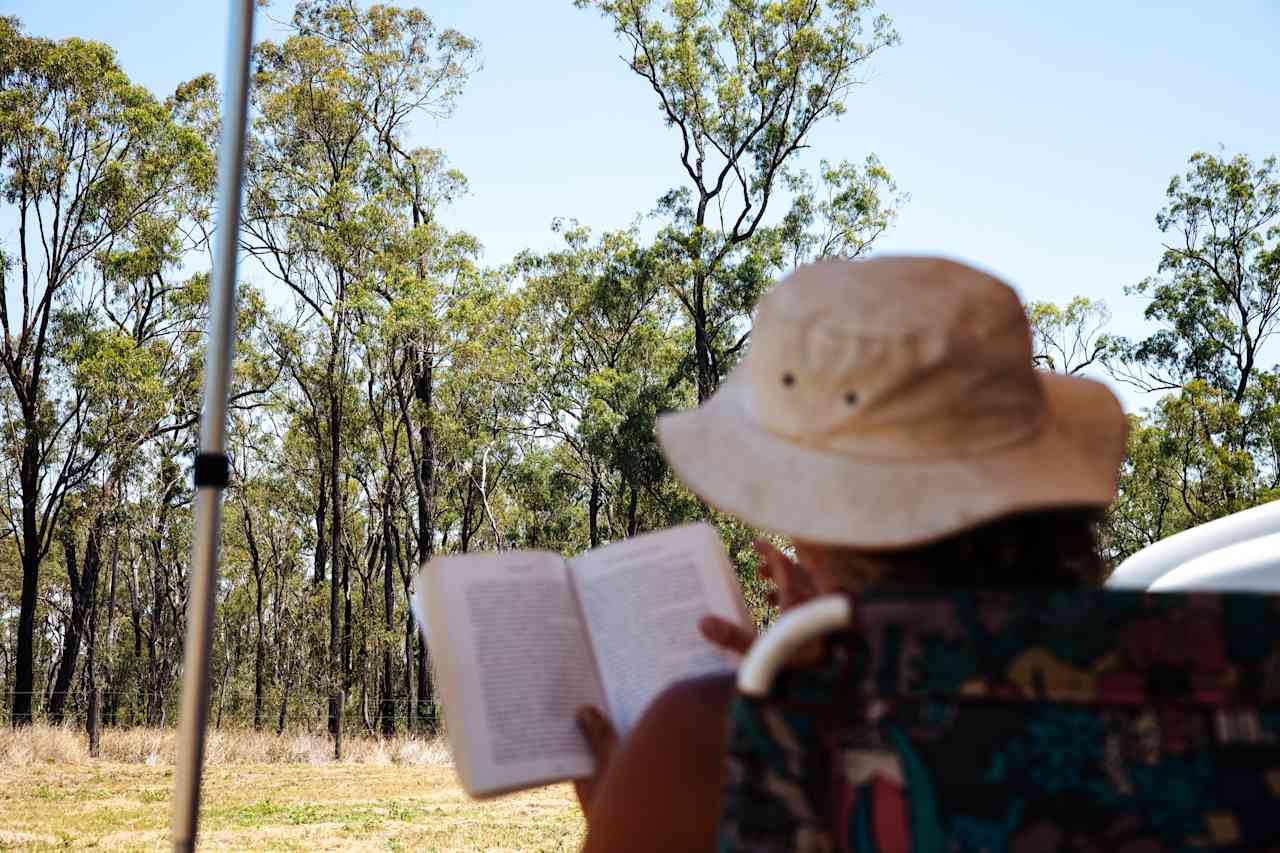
<point x="302" y="713"/>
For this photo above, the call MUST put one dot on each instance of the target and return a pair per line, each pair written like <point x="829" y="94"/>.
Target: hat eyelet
<point x="788" y="379"/>
<point x="851" y="397"/>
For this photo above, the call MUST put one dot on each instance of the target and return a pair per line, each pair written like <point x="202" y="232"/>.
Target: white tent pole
<point x="211" y="464"/>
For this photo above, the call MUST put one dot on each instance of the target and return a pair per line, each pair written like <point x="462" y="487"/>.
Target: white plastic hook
<point x="793" y="629"/>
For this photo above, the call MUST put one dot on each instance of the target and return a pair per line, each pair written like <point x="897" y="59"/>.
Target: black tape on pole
<point x="212" y="469"/>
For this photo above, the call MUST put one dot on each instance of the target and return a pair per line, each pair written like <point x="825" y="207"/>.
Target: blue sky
<point x="1035" y="139"/>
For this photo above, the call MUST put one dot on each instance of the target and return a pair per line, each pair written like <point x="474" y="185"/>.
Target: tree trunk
<point x="424" y="683"/>
<point x="284" y="700"/>
<point x="335" y="549"/>
<point x="387" y="711"/>
<point x="706" y="379"/>
<point x="153" y="656"/>
<point x="348" y="671"/>
<point x="424" y="392"/>
<point x="633" y="525"/>
<point x="259" y="646"/>
<point x="226" y="677"/>
<point x="411" y="722"/>
<point x="259" y="652"/>
<point x="93" y="716"/>
<point x="72" y="632"/>
<point x="94" y="720"/>
<point x="593" y="516"/>
<point x="24" y="676"/>
<point x="110" y="701"/>
<point x="364" y="693"/>
<point x="414" y="722"/>
<point x="339" y="699"/>
<point x="24" y="669"/>
<point x="322" y="544"/>
<point x="83" y="589"/>
<point x="135" y="619"/>
<point x="468" y="512"/>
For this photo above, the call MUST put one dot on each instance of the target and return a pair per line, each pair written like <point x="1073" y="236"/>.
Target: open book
<point x="521" y="639"/>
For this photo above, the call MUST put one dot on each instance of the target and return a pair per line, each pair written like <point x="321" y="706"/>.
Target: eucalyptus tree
<point x="332" y="99"/>
<point x="602" y="355"/>
<point x="384" y="499"/>
<point x="1072" y="338"/>
<point x="84" y="155"/>
<point x="744" y="83"/>
<point x="133" y="349"/>
<point x="1212" y="447"/>
<point x="841" y="215"/>
<point x="1216" y="291"/>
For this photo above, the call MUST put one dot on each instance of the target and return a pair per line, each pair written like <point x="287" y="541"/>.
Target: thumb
<point x="725" y="634"/>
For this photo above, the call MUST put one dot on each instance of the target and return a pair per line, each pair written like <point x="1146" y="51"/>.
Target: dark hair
<point x="1047" y="548"/>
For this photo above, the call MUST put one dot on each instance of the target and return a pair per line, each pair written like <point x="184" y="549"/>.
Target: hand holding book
<point x="522" y="640"/>
<point x="791" y="586"/>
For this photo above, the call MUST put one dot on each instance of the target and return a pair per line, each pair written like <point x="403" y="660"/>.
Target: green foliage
<point x="744" y="83"/>
<point x="395" y="398"/>
<point x="1217" y="291"/>
<point x="1196" y="456"/>
<point x="1210" y="448"/>
<point x="602" y="358"/>
<point x="855" y="207"/>
<point x="101" y="179"/>
<point x="1072" y="338"/>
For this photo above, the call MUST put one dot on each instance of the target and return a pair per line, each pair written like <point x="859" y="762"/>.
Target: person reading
<point x="888" y="421"/>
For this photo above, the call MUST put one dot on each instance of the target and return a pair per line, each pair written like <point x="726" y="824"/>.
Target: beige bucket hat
<point x="891" y="402"/>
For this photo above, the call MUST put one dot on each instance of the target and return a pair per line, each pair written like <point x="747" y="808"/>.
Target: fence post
<point x="95" y="722"/>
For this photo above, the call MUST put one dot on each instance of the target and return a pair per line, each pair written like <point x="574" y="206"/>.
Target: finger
<point x="773" y="563"/>
<point x="791" y="580"/>
<point x="598" y="731"/>
<point x="725" y="634"/>
<point x="799" y="584"/>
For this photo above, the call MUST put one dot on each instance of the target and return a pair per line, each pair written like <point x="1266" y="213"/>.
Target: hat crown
<point x="894" y="357"/>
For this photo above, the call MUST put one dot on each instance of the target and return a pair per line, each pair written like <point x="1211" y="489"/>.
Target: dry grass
<point x="262" y="793"/>
<point x="42" y="744"/>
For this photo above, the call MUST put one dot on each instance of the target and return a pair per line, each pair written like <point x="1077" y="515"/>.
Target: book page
<point x="641" y="600"/>
<point x="514" y="666"/>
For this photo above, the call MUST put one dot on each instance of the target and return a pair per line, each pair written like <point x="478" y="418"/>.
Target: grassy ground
<point x="113" y="805"/>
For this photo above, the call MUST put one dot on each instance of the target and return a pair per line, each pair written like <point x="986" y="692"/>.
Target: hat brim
<point x="832" y="498"/>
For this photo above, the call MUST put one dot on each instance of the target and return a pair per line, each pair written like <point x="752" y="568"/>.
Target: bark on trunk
<point x="83" y="588"/>
<point x="414" y="722"/>
<point x="423" y="392"/>
<point x="468" y="513"/>
<point x="701" y="343"/>
<point x="348" y="671"/>
<point x="387" y="712"/>
<point x="153" y="657"/>
<point x="594" y="510"/>
<point x="110" y="701"/>
<point x="411" y="721"/>
<point x="335" y="548"/>
<point x="322" y="532"/>
<point x="284" y="701"/>
<point x="633" y="524"/>
<point x="259" y="647"/>
<point x="424" y="684"/>
<point x="24" y="675"/>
